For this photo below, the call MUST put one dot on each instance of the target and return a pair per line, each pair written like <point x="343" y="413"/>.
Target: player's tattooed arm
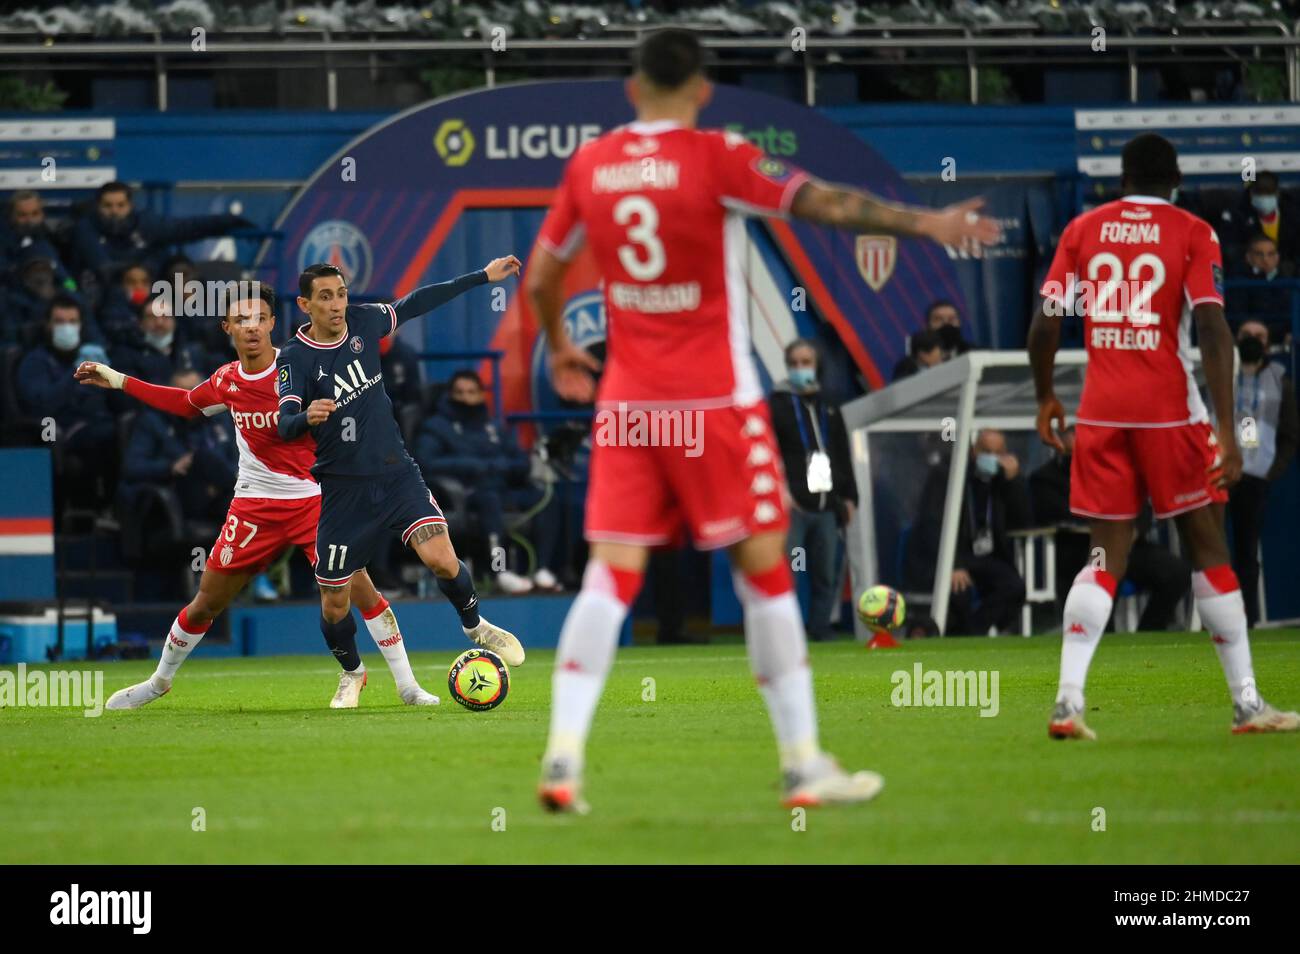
<point x="1044" y="339"/>
<point x="427" y="532"/>
<point x="1216" y="343"/>
<point x="857" y="210"/>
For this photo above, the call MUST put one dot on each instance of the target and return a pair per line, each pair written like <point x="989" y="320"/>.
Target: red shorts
<point x="1115" y="470"/>
<point x="258" y="529"/>
<point x="717" y="472"/>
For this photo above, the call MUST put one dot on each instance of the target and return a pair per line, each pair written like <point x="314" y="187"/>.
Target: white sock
<point x="583" y="658"/>
<point x="382" y="624"/>
<point x="1087" y="609"/>
<point x="178" y="645"/>
<point x="778" y="657"/>
<point x="1218" y="599"/>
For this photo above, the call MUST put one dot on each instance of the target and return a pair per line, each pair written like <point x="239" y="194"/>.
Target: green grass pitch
<point x="689" y="777"/>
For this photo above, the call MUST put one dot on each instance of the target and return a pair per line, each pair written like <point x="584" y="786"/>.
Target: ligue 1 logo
<point x="342" y="245"/>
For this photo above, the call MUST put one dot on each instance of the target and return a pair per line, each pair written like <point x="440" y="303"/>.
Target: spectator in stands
<point x="1264" y="209"/>
<point x="1268" y="430"/>
<point x="924" y="351"/>
<point x="197" y="458"/>
<point x="37" y="277"/>
<point x="27" y="223"/>
<point x="1151" y="566"/>
<point x="157" y="355"/>
<point x="116" y="234"/>
<point x="987" y="590"/>
<point x="1262" y="262"/>
<point x="461" y="441"/>
<point x="401" y="369"/>
<point x="119" y="311"/>
<point x="815" y="451"/>
<point x="85" y="432"/>
<point x="944" y="320"/>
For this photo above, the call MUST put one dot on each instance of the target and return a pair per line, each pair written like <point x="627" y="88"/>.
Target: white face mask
<point x="66" y="337"/>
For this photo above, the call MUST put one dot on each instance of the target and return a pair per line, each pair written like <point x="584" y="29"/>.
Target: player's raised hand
<point x="573" y="373"/>
<point x="99" y="375"/>
<point x="960" y="225"/>
<point x="1051" y="422"/>
<point x="500" y="268"/>
<point x="319" y="410"/>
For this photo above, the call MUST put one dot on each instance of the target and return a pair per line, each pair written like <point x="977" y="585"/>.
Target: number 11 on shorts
<point x="342" y="555"/>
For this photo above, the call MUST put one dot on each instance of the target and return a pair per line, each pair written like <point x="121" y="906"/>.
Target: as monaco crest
<point x="876" y="256"/>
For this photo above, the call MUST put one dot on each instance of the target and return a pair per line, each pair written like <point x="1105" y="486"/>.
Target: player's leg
<point x="1105" y="487"/>
<point x="216" y="591"/>
<point x="345" y="541"/>
<point x="381" y="622"/>
<point x="339" y="628"/>
<point x="583" y="658"/>
<point x="415" y="513"/>
<point x="778" y="657"/>
<point x="1223" y="613"/>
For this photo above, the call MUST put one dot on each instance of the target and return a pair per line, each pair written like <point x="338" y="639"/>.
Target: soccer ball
<point x="479" y="680"/>
<point x="882" y="608"/>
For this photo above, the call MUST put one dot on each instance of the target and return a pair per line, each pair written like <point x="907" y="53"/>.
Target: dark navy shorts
<point x="358" y="514"/>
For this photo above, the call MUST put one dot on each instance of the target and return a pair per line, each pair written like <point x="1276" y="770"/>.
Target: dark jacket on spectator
<point x="158" y="440"/>
<point x="1049" y="492"/>
<point x="794" y="453"/>
<point x="46" y="388"/>
<point x="1240" y="223"/>
<point x="465" y="443"/>
<point x="1010" y="511"/>
<point x="149" y="364"/>
<point x="143" y="237"/>
<point x="401" y="370"/>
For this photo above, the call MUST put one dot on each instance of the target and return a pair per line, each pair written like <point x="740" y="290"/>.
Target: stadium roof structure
<point x="953" y="400"/>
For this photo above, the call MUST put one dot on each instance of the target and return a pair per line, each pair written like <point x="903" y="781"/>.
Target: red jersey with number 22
<point x="1133" y="269"/>
<point x="662" y="206"/>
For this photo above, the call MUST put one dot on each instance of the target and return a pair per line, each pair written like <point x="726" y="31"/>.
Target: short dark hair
<point x="1267" y="179"/>
<point x="464" y="374"/>
<point x="313" y="272"/>
<point x="1260" y="237"/>
<point x="114" y="186"/>
<point x="63" y="301"/>
<point x="669" y="57"/>
<point x="1149" y="164"/>
<point x="940" y="303"/>
<point x="924" y="341"/>
<point x="264" y="292"/>
<point x="802" y="343"/>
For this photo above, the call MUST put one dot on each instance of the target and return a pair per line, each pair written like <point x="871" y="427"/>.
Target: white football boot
<point x="137" y="696"/>
<point x="416" y="696"/>
<point x="1067" y="723"/>
<point x="822" y="782"/>
<point x="349" y="691"/>
<point x="560" y="790"/>
<point x="1262" y="718"/>
<point x="504" y="644"/>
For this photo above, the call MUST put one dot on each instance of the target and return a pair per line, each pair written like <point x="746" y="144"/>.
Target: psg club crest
<point x="876" y="256"/>
<point x="355" y="344"/>
<point x="340" y="244"/>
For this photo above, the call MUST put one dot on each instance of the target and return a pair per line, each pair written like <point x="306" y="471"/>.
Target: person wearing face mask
<point x="987" y="590"/>
<point x="462" y="441"/>
<point x="85" y="432"/>
<point x="924" y="351"/>
<point x="944" y="320"/>
<point x="1268" y="430"/>
<point x="1264" y="210"/>
<point x="815" y="451"/>
<point x="119" y="310"/>
<point x="115" y="233"/>
<point x="1164" y="577"/>
<point x="37" y="277"/>
<point x="156" y="355"/>
<point x="26" y="224"/>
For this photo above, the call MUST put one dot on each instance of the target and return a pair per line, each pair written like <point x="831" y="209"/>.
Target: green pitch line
<point x="689" y="777"/>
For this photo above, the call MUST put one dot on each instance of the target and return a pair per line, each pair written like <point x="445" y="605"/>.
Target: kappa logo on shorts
<point x="763" y="484"/>
<point x="766" y="512"/>
<point x="759" y="455"/>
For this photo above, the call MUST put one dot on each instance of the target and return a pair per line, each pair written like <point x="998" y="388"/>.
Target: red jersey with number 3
<point x="268" y="466"/>
<point x="1133" y="269"/>
<point x="662" y="207"/>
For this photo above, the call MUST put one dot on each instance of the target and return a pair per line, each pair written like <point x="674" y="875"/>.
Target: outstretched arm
<point x="846" y="207"/>
<point x="426" y="299"/>
<point x="169" y="400"/>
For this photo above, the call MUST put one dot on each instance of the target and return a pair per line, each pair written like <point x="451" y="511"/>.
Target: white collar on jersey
<point x="653" y="128"/>
<point x="1145" y="200"/>
<point x="270" y="369"/>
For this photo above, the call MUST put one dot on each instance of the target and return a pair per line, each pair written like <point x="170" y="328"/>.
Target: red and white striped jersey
<point x="268" y="466"/>
<point x="662" y="207"/>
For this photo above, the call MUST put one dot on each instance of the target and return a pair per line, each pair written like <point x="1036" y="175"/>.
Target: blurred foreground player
<point x="1143" y="430"/>
<point x="660" y="203"/>
<point x="330" y="382"/>
<point x="276" y="505"/>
